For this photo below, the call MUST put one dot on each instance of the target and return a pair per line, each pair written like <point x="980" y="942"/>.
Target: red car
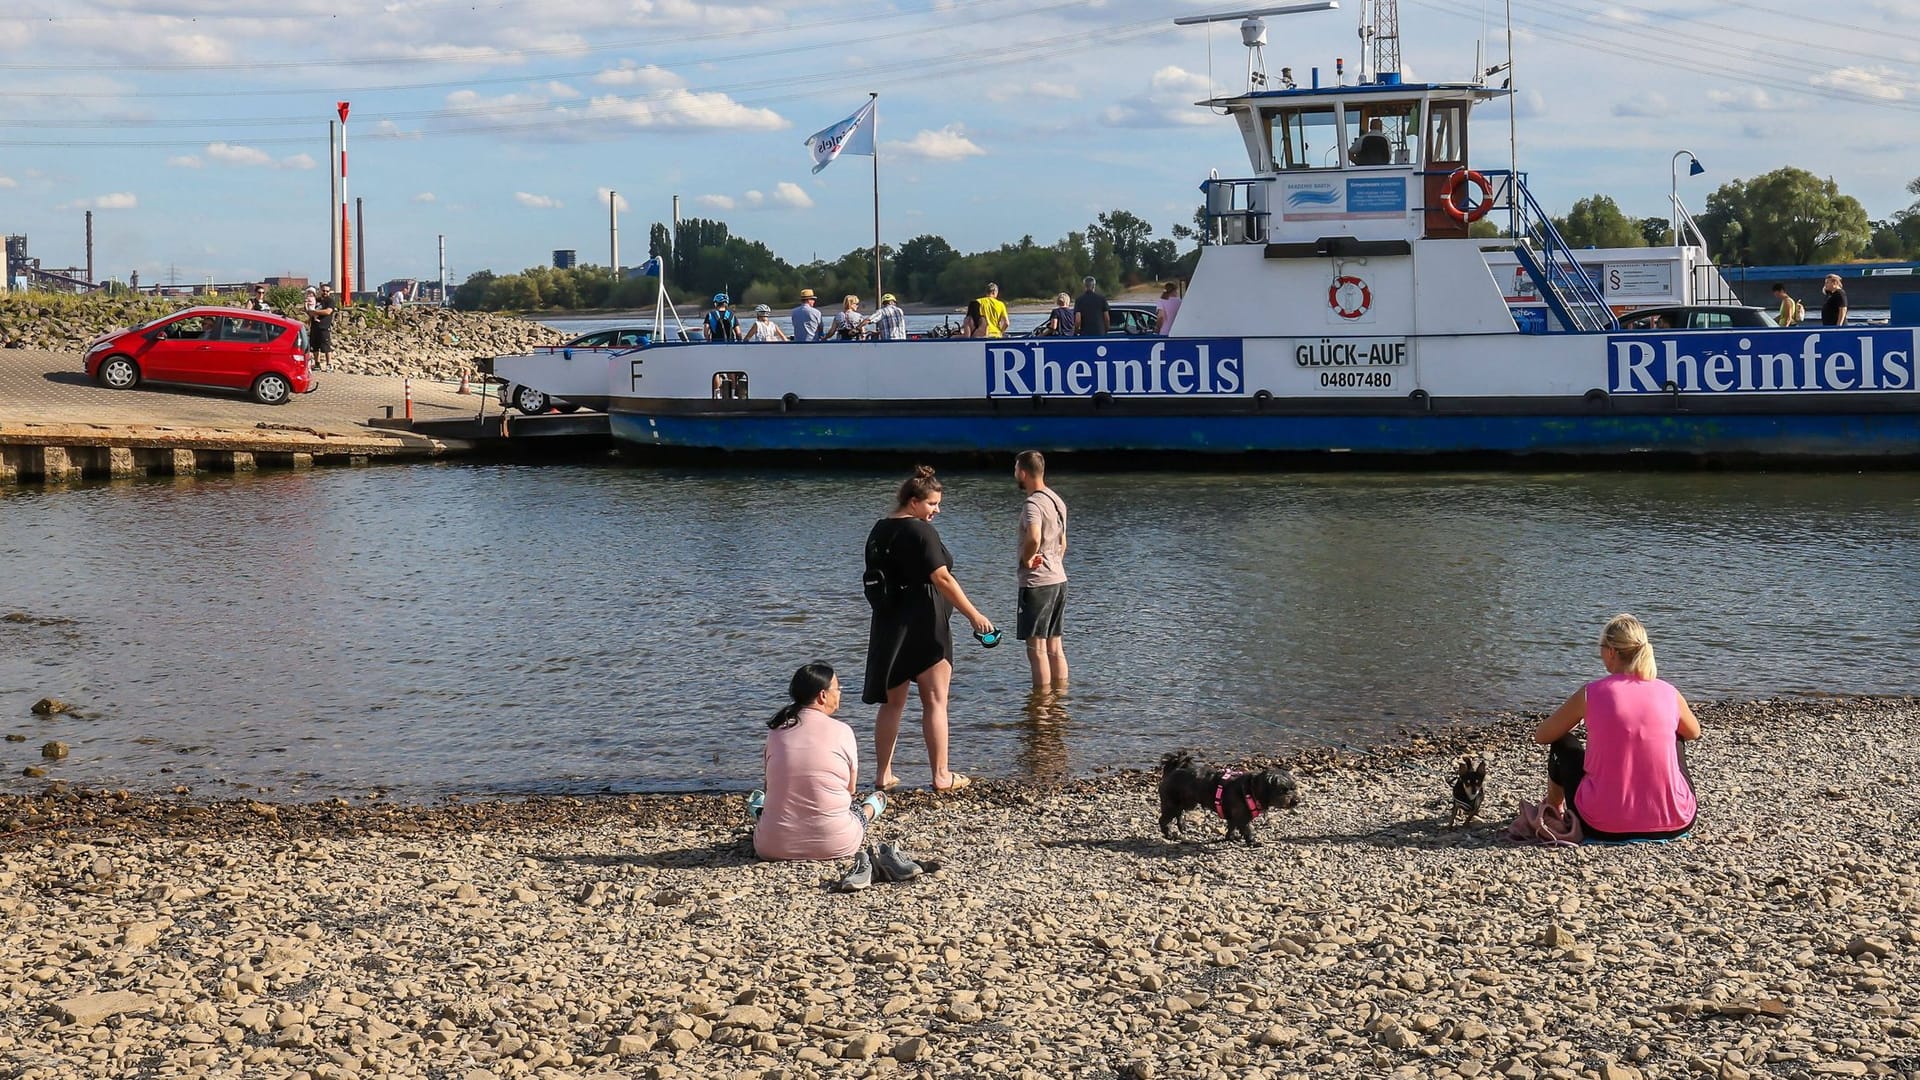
<point x="232" y="348"/>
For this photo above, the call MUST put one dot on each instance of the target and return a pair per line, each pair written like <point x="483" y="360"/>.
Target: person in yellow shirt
<point x="1791" y="311"/>
<point x="994" y="312"/>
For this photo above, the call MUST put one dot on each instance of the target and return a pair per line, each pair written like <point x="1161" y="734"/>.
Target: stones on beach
<point x="50" y="706"/>
<point x="54" y="751"/>
<point x="88" y="1010"/>
<point x="1064" y="940"/>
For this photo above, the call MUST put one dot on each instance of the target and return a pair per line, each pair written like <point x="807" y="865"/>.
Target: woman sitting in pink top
<point x="813" y="768"/>
<point x="1630" y="781"/>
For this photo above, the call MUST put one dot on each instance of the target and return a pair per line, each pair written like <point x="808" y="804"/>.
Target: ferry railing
<point x="1569" y="291"/>
<point x="1709" y="285"/>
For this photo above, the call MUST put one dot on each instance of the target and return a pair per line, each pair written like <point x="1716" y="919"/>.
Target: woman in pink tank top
<point x="1630" y="780"/>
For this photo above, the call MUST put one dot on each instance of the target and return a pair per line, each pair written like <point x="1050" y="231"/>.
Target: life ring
<point x="1450" y="202"/>
<point x="1342" y="309"/>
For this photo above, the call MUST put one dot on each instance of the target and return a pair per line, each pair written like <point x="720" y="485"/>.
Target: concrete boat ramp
<point x="56" y="426"/>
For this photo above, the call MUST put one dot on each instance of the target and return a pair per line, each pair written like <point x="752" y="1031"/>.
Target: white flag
<point x="854" y="135"/>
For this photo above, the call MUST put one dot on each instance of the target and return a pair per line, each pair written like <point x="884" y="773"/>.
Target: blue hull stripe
<point x="1775" y="435"/>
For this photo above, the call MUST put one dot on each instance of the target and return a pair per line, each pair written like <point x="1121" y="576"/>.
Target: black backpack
<point x="881" y="592"/>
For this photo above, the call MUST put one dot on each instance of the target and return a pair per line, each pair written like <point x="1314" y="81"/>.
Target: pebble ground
<point x="1062" y="936"/>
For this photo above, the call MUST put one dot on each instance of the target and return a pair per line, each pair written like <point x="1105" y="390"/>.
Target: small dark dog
<point x="1468" y="786"/>
<point x="1237" y="797"/>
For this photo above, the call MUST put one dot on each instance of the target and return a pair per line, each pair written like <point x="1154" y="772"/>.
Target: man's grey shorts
<point x="1042" y="609"/>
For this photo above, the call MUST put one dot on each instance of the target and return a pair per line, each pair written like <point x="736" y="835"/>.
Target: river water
<point x="446" y="628"/>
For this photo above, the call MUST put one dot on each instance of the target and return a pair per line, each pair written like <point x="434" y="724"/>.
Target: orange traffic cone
<point x="464" y="387"/>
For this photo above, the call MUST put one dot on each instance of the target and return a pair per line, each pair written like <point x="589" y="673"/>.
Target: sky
<point x="196" y="130"/>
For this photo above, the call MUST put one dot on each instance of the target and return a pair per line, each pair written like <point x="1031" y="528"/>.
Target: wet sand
<point x="1062" y="937"/>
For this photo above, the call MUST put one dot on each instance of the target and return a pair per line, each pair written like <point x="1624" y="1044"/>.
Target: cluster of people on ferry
<point x="1088" y="315"/>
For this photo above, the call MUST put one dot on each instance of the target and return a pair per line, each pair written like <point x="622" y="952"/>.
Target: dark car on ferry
<point x="223" y="348"/>
<point x="1129" y="320"/>
<point x="1698" y="317"/>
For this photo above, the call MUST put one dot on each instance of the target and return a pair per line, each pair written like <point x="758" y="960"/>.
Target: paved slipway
<point x="1062" y="936"/>
<point x="47" y="388"/>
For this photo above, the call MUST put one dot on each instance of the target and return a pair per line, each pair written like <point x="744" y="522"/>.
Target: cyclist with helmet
<point x="721" y="324"/>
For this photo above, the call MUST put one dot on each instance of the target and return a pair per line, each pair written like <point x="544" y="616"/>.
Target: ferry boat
<point x="1339" y="305"/>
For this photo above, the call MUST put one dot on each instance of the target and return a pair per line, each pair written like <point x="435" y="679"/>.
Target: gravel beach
<point x="1061" y="937"/>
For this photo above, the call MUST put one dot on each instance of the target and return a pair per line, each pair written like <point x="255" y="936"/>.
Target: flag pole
<point x="875" y="119"/>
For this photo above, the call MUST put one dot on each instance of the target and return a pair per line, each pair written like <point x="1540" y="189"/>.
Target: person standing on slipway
<point x="1043" y="572"/>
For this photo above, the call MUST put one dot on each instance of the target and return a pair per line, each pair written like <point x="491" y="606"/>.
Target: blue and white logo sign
<point x="1123" y="367"/>
<point x="1829" y="360"/>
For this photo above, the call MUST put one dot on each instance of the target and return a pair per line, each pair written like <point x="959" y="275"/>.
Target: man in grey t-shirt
<point x="1043" y="572"/>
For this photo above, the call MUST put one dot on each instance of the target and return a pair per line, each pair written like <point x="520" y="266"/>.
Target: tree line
<point x="1785" y="217"/>
<point x="1788" y="217"/>
<point x="705" y="257"/>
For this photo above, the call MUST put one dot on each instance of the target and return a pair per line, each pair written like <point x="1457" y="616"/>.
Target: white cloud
<point x="184" y="161"/>
<point x="1649" y="104"/>
<point x="538" y="202"/>
<point x="1168" y="102"/>
<point x="245" y="157"/>
<point x="682" y="110"/>
<point x="1878" y="82"/>
<point x="715" y="202"/>
<point x="119" y="200"/>
<point x="8" y="182"/>
<point x="1039" y="88"/>
<point x="230" y="154"/>
<point x="620" y="201"/>
<point x="426" y="197"/>
<point x="1745" y="99"/>
<point x="755" y="199"/>
<point x="950" y="143"/>
<point x="387" y="129"/>
<point x="629" y="73"/>
<point x="790" y="195"/>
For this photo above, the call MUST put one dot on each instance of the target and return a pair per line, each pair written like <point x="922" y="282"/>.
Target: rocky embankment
<point x="423" y="342"/>
<point x="1062" y="937"/>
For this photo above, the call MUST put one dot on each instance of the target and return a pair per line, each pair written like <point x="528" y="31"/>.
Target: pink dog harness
<point x="1220" y="797"/>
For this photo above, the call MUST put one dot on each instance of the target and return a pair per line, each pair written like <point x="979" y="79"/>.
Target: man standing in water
<point x="1043" y="572"/>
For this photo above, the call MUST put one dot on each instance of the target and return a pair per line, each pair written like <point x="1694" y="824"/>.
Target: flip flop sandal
<point x="959" y="781"/>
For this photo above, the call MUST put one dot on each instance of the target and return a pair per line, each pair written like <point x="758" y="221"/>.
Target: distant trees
<point x="1787" y="216"/>
<point x="1597" y="221"/>
<point x="705" y="257"/>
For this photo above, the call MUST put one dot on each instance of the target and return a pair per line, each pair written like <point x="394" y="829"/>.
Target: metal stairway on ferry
<point x="1571" y="295"/>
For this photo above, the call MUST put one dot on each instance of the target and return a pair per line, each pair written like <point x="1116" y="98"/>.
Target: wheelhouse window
<point x="1383" y="133"/>
<point x="1304" y="138"/>
<point x="1447" y="134"/>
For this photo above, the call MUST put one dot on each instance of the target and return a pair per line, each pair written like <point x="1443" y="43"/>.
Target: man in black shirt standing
<point x="1833" y="312"/>
<point x="1091" y="311"/>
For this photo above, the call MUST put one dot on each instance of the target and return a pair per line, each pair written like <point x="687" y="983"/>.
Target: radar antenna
<point x="1253" y="33"/>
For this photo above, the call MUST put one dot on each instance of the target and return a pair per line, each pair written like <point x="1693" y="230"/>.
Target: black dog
<point x="1468" y="787"/>
<point x="1237" y="797"/>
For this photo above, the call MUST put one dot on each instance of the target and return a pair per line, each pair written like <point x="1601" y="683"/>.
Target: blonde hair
<point x="1628" y="639"/>
<point x="1063" y="299"/>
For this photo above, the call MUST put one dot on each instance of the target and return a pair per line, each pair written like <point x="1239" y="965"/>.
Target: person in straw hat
<point x="808" y="323"/>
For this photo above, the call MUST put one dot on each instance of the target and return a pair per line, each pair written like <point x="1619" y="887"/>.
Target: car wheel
<point x="530" y="401"/>
<point x="272" y="389"/>
<point x="566" y="407"/>
<point x="118" y="373"/>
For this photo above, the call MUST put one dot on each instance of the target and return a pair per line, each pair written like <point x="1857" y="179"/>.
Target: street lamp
<point x="1694" y="168"/>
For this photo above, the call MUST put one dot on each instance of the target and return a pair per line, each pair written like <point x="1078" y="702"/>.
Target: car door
<point x="240" y="352"/>
<point x="180" y="351"/>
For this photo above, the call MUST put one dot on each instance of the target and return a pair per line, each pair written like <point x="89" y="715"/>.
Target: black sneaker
<point x="893" y="865"/>
<point x="860" y="876"/>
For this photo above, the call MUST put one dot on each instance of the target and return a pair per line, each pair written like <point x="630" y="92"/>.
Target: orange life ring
<point x="1450" y="201"/>
<point x="1342" y="310"/>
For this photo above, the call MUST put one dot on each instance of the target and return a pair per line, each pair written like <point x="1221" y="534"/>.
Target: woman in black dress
<point x="910" y="641"/>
